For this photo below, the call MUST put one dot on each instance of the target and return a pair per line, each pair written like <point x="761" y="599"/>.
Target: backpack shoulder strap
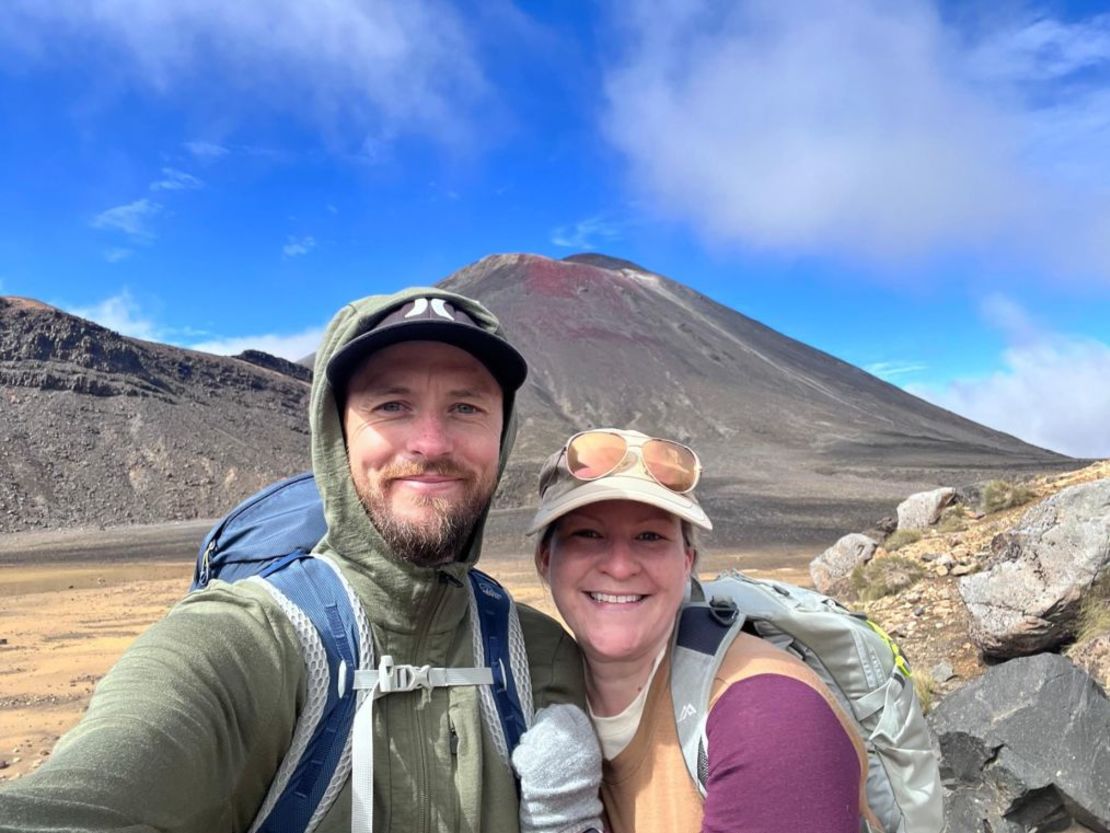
<point x="703" y="634"/>
<point x="507" y="707"/>
<point x="333" y="632"/>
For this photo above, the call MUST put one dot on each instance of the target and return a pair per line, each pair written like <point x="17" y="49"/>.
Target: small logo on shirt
<point x="687" y="711"/>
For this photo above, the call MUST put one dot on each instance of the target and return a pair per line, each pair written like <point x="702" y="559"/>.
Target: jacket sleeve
<point x="553" y="659"/>
<point x="183" y="734"/>
<point x="779" y="759"/>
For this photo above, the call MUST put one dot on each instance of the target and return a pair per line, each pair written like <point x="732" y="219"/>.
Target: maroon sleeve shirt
<point x="780" y="761"/>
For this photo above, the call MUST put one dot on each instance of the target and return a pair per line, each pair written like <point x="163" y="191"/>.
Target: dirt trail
<point x="63" y="625"/>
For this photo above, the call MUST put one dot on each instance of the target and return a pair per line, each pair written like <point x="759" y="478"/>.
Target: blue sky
<point x="921" y="189"/>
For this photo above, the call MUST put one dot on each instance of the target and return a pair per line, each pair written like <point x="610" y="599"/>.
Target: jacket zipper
<point x="424" y="796"/>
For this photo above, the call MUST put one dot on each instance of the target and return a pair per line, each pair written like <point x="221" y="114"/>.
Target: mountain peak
<point x="603" y="261"/>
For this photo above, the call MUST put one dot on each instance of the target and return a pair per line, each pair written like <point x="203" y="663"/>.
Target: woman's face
<point x="618" y="572"/>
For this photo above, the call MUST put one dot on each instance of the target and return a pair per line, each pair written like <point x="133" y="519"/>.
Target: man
<point x="412" y="423"/>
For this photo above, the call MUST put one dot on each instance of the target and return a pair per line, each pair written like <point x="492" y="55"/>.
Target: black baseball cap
<point x="431" y="319"/>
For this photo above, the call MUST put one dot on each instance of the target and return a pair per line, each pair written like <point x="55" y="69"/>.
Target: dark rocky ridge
<point x="799" y="447"/>
<point x="100" y="429"/>
<point x="296" y="370"/>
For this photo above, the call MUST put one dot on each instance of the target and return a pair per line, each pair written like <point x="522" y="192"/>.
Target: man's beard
<point x="440" y="537"/>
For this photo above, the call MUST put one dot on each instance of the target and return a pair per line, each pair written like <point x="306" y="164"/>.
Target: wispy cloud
<point x="869" y="128"/>
<point x="586" y="234"/>
<point x="175" y="180"/>
<point x="893" y="369"/>
<point x="356" y="68"/>
<point x="122" y="313"/>
<point x="132" y="219"/>
<point x="1052" y="390"/>
<point x="206" y="151"/>
<point x="293" y="346"/>
<point x="297" y="246"/>
<point x="115" y="255"/>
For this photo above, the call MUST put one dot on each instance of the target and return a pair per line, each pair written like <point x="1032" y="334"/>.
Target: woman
<point x="616" y="524"/>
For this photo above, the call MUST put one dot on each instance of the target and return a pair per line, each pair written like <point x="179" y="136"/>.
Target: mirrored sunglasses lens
<point x="673" y="465"/>
<point x="595" y="454"/>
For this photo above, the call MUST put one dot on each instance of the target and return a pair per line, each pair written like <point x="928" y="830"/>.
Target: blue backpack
<point x="269" y="538"/>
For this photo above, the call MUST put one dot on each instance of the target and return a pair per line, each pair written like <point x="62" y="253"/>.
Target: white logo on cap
<point x="420" y="306"/>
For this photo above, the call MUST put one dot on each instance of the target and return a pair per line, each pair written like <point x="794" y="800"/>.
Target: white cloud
<point x="586" y="234"/>
<point x="1042" y="49"/>
<point x="892" y="369"/>
<point x="297" y="246"/>
<point x="352" y="66"/>
<point x="206" y="151"/>
<point x="120" y="313"/>
<point x="175" y="180"/>
<point x="131" y="219"/>
<point x="1053" y="390"/>
<point x="115" y="255"/>
<point x="869" y="128"/>
<point x="1011" y="319"/>
<point x="293" y="347"/>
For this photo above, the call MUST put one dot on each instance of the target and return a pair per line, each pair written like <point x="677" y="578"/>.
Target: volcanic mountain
<point x="798" y="446"/>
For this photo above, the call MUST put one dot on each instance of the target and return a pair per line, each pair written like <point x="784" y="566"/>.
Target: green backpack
<point x="860" y="664"/>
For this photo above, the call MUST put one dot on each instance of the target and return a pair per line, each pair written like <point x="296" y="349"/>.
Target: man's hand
<point x="558" y="762"/>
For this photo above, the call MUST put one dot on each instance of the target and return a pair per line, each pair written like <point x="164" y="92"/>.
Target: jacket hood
<point x="350" y="534"/>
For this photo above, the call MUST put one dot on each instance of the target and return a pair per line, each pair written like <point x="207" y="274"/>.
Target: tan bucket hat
<point x="562" y="492"/>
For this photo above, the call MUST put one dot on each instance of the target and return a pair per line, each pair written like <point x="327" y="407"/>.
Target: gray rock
<point x="971" y="494"/>
<point x="942" y="672"/>
<point x="921" y="510"/>
<point x="838" y="561"/>
<point x="946" y="560"/>
<point x="1026" y="747"/>
<point x="1027" y="597"/>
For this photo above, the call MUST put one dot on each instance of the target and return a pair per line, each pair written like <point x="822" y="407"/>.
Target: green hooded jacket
<point x="186" y="732"/>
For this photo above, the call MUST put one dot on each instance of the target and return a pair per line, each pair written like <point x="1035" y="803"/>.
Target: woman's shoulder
<point x="755" y="675"/>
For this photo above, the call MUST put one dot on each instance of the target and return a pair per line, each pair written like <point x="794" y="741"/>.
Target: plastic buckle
<point x="402" y="677"/>
<point x="724" y="611"/>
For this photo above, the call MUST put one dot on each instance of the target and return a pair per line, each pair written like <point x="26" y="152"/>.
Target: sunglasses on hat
<point x="591" y="455"/>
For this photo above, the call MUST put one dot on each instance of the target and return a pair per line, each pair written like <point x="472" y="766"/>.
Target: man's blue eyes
<point x="396" y="407"/>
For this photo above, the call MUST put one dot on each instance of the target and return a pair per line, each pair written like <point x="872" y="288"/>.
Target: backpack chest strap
<point x="390" y="678"/>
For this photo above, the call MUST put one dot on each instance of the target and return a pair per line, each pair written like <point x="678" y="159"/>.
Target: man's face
<point x="423" y="426"/>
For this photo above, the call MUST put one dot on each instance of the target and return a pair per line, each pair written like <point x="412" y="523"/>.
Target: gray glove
<point x="558" y="762"/>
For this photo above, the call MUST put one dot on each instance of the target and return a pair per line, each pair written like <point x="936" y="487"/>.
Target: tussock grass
<point x="1001" y="494"/>
<point x="926" y="689"/>
<point x="884" y="576"/>
<point x="952" y="519"/>
<point x="900" y="537"/>
<point x="1094" y="611"/>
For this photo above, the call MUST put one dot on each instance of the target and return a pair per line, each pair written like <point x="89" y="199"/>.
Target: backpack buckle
<point x="723" y="610"/>
<point x="393" y="677"/>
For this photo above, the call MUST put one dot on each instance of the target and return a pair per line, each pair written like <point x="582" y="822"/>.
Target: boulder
<point x="1027" y="597"/>
<point x="1026" y="747"/>
<point x="921" y="511"/>
<point x="837" y="562"/>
